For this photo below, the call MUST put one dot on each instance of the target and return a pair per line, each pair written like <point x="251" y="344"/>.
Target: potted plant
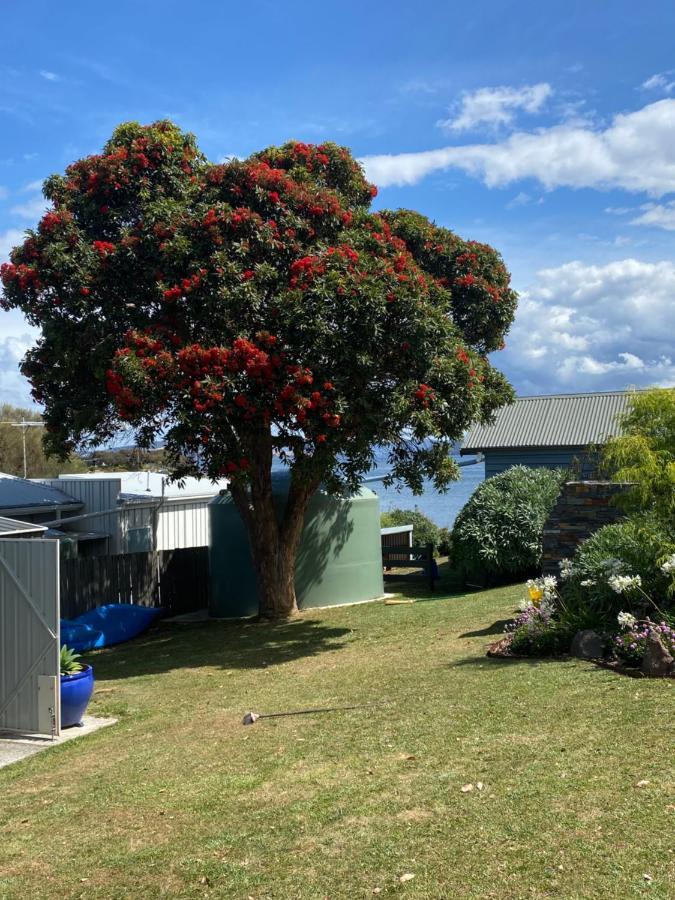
<point x="77" y="686"/>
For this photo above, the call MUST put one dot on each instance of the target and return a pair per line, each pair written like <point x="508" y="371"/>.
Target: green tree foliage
<point x="424" y="530"/>
<point x="252" y="308"/>
<point x="644" y="453"/>
<point x="499" y="532"/>
<point x="11" y="447"/>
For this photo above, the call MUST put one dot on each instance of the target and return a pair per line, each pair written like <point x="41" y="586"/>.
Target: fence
<point x="175" y="580"/>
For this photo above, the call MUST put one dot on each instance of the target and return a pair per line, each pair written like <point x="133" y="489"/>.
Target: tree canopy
<point x="644" y="453"/>
<point x="252" y="308"/>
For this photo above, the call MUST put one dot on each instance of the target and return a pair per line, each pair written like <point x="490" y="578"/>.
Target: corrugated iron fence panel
<point x="29" y="629"/>
<point x="175" y="580"/>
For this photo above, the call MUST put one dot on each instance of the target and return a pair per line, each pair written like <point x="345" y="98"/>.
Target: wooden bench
<point x="415" y="557"/>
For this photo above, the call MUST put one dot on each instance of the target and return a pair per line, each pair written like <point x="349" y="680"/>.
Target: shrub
<point x="618" y="568"/>
<point x="424" y="530"/>
<point x="499" y="531"/>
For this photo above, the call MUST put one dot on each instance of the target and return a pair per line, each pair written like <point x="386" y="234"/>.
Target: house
<point x="35" y="501"/>
<point x="555" y="431"/>
<point x="142" y="511"/>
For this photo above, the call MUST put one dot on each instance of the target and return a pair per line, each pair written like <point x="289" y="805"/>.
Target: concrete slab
<point x="14" y="747"/>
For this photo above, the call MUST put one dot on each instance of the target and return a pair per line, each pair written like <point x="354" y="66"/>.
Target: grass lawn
<point x="180" y="800"/>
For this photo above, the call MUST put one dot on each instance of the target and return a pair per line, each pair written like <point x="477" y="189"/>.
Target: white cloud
<point x="524" y="199"/>
<point x="9" y="239"/>
<point x="32" y="209"/>
<point x="49" y="76"/>
<point x="32" y="186"/>
<point x="657" y="215"/>
<point x="14" y="388"/>
<point x="659" y="82"/>
<point x="582" y="327"/>
<point x="635" y="153"/>
<point x="16" y="337"/>
<point x="496" y="106"/>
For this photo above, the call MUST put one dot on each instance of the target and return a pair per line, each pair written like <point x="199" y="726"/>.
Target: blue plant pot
<point x="76" y="691"/>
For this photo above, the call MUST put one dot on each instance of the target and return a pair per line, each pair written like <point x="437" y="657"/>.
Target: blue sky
<point x="548" y="132"/>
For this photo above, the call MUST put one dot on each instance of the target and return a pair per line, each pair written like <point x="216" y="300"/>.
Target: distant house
<point x="35" y="501"/>
<point x="552" y="431"/>
<point x="142" y="511"/>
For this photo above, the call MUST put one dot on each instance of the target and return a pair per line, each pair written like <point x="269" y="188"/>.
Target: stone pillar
<point x="581" y="508"/>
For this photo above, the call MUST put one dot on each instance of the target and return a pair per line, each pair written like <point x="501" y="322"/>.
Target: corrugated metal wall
<point x="179" y="523"/>
<point x="183" y="523"/>
<point x="497" y="461"/>
<point x="29" y="635"/>
<point x="96" y="494"/>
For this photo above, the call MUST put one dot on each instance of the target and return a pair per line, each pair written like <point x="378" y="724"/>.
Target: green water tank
<point x="339" y="559"/>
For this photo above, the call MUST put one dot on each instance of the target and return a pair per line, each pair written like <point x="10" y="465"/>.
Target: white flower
<point x="546" y="608"/>
<point x="626" y="620"/>
<point x="566" y="569"/>
<point x="669" y="565"/>
<point x="524" y="605"/>
<point x="587" y="582"/>
<point x="623" y="583"/>
<point x="613" y="565"/>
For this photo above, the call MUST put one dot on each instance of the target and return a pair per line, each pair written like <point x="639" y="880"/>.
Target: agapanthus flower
<point x="626" y="620"/>
<point x="622" y="583"/>
<point x="668" y="566"/>
<point x="566" y="569"/>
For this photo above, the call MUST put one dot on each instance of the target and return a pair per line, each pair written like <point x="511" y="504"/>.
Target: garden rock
<point x="587" y="644"/>
<point x="657" y="661"/>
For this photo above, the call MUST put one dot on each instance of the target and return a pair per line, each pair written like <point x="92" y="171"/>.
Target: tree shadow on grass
<point x="224" y="645"/>
<point x="486" y="661"/>
<point x="496" y="628"/>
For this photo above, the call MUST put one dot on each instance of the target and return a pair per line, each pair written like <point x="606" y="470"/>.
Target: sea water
<point x="440" y="508"/>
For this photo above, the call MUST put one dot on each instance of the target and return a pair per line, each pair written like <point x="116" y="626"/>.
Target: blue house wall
<point x="497" y="461"/>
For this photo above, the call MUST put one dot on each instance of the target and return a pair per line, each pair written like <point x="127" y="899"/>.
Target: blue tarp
<point x="106" y="625"/>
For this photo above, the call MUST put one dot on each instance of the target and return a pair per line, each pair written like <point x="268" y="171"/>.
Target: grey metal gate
<point x="29" y="636"/>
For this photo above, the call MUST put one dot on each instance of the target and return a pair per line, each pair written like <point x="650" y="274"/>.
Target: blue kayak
<point x="106" y="625"/>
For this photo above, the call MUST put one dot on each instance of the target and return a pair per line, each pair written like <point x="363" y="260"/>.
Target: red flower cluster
<point x="52" y="220"/>
<point x="103" y="248"/>
<point x="425" y="395"/>
<point x="25" y="276"/>
<point x="186" y="286"/>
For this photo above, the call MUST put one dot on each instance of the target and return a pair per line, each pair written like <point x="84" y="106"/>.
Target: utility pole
<point x="23" y="425"/>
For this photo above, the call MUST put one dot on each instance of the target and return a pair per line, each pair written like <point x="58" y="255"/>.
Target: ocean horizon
<point x="440" y="508"/>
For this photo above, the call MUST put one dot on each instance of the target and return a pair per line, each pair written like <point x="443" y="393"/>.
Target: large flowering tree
<point x="254" y="308"/>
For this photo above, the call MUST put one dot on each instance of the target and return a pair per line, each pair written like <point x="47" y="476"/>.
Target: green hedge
<point x="424" y="530"/>
<point x="498" y="533"/>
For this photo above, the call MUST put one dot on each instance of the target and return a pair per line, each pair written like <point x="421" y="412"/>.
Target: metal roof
<point x="560" y="420"/>
<point x="20" y="493"/>
<point x="151" y="485"/>
<point x="8" y="527"/>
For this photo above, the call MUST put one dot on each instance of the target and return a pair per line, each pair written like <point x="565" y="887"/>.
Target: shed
<point x="142" y="511"/>
<point x="339" y="558"/>
<point x="34" y="501"/>
<point x="553" y="431"/>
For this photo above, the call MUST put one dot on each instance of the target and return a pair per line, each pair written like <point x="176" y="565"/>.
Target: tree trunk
<point x="274" y="540"/>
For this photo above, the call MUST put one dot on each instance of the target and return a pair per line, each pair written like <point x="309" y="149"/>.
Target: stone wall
<point x="581" y="508"/>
